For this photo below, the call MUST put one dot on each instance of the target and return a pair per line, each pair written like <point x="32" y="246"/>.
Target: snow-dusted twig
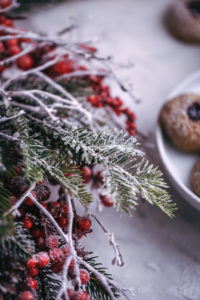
<point x="9" y="137"/>
<point x="37" y="100"/>
<point x="72" y="249"/>
<point x="69" y="96"/>
<point x="20" y="34"/>
<point x="24" y="74"/>
<point x="125" y="87"/>
<point x="50" y="217"/>
<point x="111" y="238"/>
<point x="4" y="119"/>
<point x="82" y="74"/>
<point x="26" y="107"/>
<point x="28" y="49"/>
<point x="63" y="289"/>
<point x="14" y="208"/>
<point x="13" y="5"/>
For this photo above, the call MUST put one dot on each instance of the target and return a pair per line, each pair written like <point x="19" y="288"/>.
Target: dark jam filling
<point x="194" y="111"/>
<point x="194" y="7"/>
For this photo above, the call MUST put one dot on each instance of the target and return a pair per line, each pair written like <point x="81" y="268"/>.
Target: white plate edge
<point x="185" y="191"/>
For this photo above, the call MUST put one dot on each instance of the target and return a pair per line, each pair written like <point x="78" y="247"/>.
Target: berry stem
<point x="111" y="238"/>
<point x="70" y="225"/>
<point x="63" y="289"/>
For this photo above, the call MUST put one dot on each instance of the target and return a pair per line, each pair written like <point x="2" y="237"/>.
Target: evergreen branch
<point x="6" y="222"/>
<point x="100" y="285"/>
<point x="126" y="173"/>
<point x="36" y="162"/>
<point x="50" y="284"/>
<point x="20" y="246"/>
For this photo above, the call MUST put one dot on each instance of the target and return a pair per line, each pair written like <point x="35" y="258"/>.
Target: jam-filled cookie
<point x="180" y="118"/>
<point x="195" y="178"/>
<point x="183" y="20"/>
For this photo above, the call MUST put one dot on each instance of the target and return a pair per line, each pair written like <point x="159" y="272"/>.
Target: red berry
<point x="72" y="264"/>
<point x="28" y="224"/>
<point x="56" y="255"/>
<point x="131" y="132"/>
<point x="18" y="170"/>
<point x="32" y="283"/>
<point x="10" y="43"/>
<point x="5" y="3"/>
<point x="65" y="250"/>
<point x="52" y="241"/>
<point x="44" y="205"/>
<point x="33" y="272"/>
<point x="63" y="67"/>
<point x="31" y="263"/>
<point x="1" y="47"/>
<point x="42" y="192"/>
<point x="65" y="209"/>
<point x="71" y="293"/>
<point x="14" y="50"/>
<point x="107" y="201"/>
<point x="25" y="62"/>
<point x="8" y="22"/>
<point x="84" y="224"/>
<point x="88" y="48"/>
<point x="28" y="201"/>
<point x="57" y="268"/>
<point x="82" y="68"/>
<point x="37" y="233"/>
<point x="109" y="101"/>
<point x="84" y="276"/>
<point x="87" y="174"/>
<point x="2" y="68"/>
<point x="77" y="295"/>
<point x="2" y="18"/>
<point x="42" y="259"/>
<point x="26" y="296"/>
<point x="92" y="99"/>
<point x="130" y="124"/>
<point x="63" y="222"/>
<point x="83" y="296"/>
<point x="55" y="204"/>
<point x="41" y="243"/>
<point x="118" y="111"/>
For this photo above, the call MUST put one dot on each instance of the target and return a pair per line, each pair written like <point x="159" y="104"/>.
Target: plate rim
<point x="187" y="194"/>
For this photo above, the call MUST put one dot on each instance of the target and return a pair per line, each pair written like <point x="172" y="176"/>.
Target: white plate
<point x="178" y="164"/>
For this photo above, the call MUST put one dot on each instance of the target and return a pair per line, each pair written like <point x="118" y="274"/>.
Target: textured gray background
<point x="162" y="255"/>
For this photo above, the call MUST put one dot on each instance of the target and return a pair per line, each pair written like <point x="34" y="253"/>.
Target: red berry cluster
<point x="49" y="250"/>
<point x="51" y="253"/>
<point x="102" y="97"/>
<point x="13" y="47"/>
<point x="55" y="258"/>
